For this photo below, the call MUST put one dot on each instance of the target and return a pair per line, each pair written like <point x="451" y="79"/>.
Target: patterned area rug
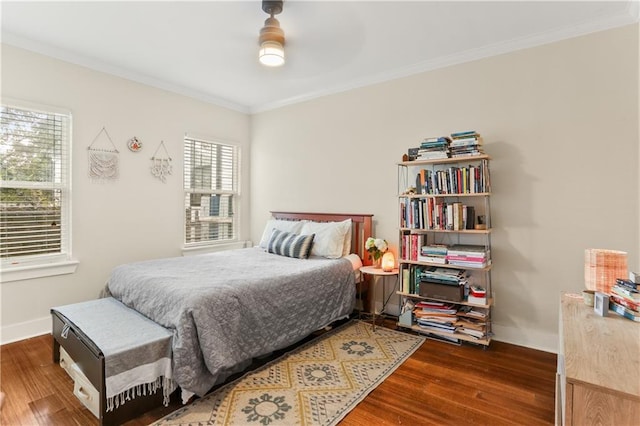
<point x="315" y="384"/>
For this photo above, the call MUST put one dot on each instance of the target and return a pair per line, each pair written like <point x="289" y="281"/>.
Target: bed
<point x="226" y="308"/>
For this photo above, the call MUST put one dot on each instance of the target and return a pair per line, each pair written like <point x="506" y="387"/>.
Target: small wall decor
<point x="103" y="162"/>
<point x="161" y="163"/>
<point x="134" y="144"/>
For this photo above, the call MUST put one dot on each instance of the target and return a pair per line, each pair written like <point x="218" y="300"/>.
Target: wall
<point x="560" y="122"/>
<point x="134" y="218"/>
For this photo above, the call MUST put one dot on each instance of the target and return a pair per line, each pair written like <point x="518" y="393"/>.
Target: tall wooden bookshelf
<point x="440" y="205"/>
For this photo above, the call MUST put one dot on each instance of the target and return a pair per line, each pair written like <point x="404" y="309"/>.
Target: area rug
<point x="317" y="383"/>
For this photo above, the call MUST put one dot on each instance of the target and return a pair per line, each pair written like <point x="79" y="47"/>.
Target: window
<point x="211" y="192"/>
<point x="34" y="186"/>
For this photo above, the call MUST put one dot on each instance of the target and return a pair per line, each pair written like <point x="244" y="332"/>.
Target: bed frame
<point x="360" y="229"/>
<point x="90" y="360"/>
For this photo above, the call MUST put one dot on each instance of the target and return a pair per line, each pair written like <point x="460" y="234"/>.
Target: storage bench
<point x="105" y="347"/>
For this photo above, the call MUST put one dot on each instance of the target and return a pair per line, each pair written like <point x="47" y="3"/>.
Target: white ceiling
<point x="208" y="49"/>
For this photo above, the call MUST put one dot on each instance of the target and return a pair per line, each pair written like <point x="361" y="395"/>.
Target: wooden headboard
<point x="360" y="228"/>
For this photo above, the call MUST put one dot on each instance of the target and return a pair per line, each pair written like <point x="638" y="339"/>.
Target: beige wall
<point x="560" y="122"/>
<point x="136" y="217"/>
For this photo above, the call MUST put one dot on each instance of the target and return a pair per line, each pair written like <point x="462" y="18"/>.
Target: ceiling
<point x="208" y="49"/>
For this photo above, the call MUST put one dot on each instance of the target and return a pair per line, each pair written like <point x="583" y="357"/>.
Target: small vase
<point x="377" y="263"/>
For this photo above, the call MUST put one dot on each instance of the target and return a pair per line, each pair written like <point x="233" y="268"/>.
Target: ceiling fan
<point x="271" y="39"/>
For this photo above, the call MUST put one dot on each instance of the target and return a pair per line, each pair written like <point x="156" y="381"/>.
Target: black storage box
<point x="453" y="293"/>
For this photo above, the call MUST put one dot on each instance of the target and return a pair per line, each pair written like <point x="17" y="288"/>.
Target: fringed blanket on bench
<point x="137" y="351"/>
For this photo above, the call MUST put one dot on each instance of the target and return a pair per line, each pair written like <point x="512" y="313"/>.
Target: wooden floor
<point x="439" y="384"/>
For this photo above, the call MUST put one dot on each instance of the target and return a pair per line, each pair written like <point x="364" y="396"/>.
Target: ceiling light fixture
<point x="271" y="36"/>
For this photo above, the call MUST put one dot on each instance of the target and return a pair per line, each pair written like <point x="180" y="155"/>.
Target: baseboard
<point x="25" y="330"/>
<point x="547" y="342"/>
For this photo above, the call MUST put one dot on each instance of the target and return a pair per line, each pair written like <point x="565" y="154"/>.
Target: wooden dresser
<point x="598" y="367"/>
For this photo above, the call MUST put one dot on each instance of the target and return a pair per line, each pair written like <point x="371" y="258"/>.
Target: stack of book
<point x="443" y="283"/>
<point x="436" y="316"/>
<point x="465" y="144"/>
<point x="471" y="327"/>
<point x="472" y="312"/>
<point x="434" y="253"/>
<point x="624" y="299"/>
<point x="472" y="322"/>
<point x="448" y="276"/>
<point x="468" y="256"/>
<point x="434" y="148"/>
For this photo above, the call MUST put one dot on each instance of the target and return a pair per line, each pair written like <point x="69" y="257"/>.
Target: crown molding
<point x="631" y="17"/>
<point x="96" y="65"/>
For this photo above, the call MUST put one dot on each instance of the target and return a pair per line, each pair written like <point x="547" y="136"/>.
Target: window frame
<point x="235" y="194"/>
<point x="49" y="264"/>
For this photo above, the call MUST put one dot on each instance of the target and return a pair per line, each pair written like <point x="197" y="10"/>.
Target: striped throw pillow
<point x="289" y="244"/>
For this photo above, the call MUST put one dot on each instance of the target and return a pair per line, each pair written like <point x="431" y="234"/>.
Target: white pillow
<point x="292" y="226"/>
<point x="330" y="237"/>
<point x="346" y="247"/>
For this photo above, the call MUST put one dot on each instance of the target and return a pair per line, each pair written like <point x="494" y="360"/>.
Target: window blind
<point x="211" y="191"/>
<point x="34" y="179"/>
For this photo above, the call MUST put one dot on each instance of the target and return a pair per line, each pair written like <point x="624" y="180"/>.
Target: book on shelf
<point x="442" y="260"/>
<point x="479" y="258"/>
<point x="465" y="152"/>
<point x="469" y="264"/>
<point x="434" y="250"/>
<point x="471" y="323"/>
<point x="436" y="319"/>
<point x="468" y="143"/>
<point x="471" y="332"/>
<point x="469" y="311"/>
<point x="469" y="217"/>
<point x="437" y="329"/>
<point x="405" y="281"/>
<point x="467" y="250"/>
<point x="414" y="280"/>
<point x="434" y="316"/>
<point x="465" y="142"/>
<point x="434" y="148"/>
<point x="628" y="303"/>
<point x="624" y="312"/>
<point x="410" y="247"/>
<point x="466" y="258"/>
<point x="628" y="284"/>
<point x="625" y="292"/>
<point x="436" y="307"/>
<point x="451" y="276"/>
<point x="464" y="134"/>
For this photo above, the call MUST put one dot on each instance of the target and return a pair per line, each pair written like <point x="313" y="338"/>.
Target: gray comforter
<point x="226" y="308"/>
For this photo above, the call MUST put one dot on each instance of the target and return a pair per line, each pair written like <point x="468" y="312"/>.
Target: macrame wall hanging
<point x="103" y="158"/>
<point x="161" y="163"/>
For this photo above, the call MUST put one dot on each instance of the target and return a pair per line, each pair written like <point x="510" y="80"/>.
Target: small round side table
<point x="377" y="274"/>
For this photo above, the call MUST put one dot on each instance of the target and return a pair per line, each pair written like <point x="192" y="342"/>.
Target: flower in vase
<point x="376" y="248"/>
